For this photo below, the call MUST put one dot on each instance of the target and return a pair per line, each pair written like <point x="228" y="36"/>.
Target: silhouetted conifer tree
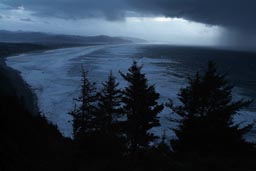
<point x="84" y="114"/>
<point x="207" y="110"/>
<point x="141" y="108"/>
<point x="109" y="104"/>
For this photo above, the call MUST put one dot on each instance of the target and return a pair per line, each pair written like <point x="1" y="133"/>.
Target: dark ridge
<point x="60" y="39"/>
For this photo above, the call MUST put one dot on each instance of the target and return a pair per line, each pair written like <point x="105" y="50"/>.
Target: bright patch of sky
<point x="153" y="28"/>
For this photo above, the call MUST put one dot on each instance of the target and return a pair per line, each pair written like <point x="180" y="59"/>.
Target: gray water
<point x="54" y="75"/>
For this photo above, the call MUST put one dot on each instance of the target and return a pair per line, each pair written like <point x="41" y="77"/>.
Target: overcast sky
<point x="199" y="22"/>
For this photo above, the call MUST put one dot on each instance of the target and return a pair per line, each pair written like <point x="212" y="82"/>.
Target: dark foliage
<point x="110" y="105"/>
<point x="29" y="142"/>
<point x="141" y="108"/>
<point x="207" y="110"/>
<point x="84" y="115"/>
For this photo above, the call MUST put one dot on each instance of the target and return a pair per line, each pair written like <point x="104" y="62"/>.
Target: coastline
<point x="11" y="81"/>
<point x="14" y="83"/>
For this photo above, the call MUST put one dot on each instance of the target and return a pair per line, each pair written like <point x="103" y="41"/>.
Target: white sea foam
<point x="55" y="78"/>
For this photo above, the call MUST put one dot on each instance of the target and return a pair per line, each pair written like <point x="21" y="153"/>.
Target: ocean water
<point x="55" y="75"/>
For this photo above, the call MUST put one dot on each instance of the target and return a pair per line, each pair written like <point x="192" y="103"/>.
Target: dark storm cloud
<point x="238" y="14"/>
<point x="74" y="9"/>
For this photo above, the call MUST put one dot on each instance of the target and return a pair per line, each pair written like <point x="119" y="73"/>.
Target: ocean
<point x="54" y="75"/>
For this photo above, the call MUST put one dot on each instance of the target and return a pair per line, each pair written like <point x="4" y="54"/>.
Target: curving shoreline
<point x="11" y="81"/>
<point x="14" y="85"/>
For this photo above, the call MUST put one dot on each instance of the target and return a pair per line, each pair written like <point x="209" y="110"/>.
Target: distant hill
<point x="134" y="40"/>
<point x="46" y="38"/>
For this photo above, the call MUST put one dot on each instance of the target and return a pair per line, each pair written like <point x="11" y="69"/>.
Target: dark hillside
<point x="27" y="142"/>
